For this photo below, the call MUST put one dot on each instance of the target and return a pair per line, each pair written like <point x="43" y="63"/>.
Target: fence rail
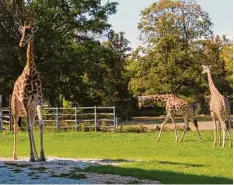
<point x="54" y="117"/>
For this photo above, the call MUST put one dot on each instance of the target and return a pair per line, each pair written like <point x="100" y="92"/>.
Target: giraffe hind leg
<point x="219" y="128"/>
<point x="228" y="126"/>
<point x="197" y="129"/>
<point x="16" y="110"/>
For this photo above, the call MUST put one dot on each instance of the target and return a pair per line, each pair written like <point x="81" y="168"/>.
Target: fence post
<point x="116" y="122"/>
<point x="76" y="119"/>
<point x="114" y="115"/>
<point x="10" y="113"/>
<point x="57" y="118"/>
<point x="95" y="117"/>
<point x="1" y="112"/>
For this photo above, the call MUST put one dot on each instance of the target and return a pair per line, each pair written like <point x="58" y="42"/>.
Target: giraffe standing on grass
<point x="219" y="109"/>
<point x="174" y="106"/>
<point x="27" y="95"/>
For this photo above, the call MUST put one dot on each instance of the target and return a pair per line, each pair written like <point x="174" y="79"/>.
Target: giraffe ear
<point x="34" y="30"/>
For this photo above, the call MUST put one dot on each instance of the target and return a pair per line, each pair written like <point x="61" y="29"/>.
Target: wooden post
<point x="10" y="114"/>
<point x="57" y="118"/>
<point x="76" y="119"/>
<point x="95" y="117"/>
<point x="1" y="112"/>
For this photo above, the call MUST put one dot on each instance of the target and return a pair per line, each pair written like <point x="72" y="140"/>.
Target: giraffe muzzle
<point x="22" y="43"/>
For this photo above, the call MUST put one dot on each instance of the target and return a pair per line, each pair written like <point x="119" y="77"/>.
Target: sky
<point x="128" y="16"/>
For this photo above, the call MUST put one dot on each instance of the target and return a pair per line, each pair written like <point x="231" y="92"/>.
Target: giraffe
<point x="174" y="105"/>
<point x="27" y="95"/>
<point x="219" y="109"/>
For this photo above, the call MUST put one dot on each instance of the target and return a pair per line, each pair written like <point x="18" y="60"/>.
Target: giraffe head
<point x="27" y="34"/>
<point x="206" y="69"/>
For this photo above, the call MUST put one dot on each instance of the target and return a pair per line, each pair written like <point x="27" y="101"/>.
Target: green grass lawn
<point x="187" y="162"/>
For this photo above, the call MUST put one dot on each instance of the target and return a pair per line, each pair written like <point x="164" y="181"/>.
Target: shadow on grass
<point x="184" y="164"/>
<point x="166" y="177"/>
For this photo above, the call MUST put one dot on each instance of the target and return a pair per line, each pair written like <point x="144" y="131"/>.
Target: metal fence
<point x="56" y="117"/>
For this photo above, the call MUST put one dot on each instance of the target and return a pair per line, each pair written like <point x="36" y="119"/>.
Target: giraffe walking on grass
<point x="174" y="106"/>
<point x="219" y="109"/>
<point x="27" y="95"/>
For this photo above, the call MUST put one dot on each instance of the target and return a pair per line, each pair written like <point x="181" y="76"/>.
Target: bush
<point x="85" y="127"/>
<point x="135" y="129"/>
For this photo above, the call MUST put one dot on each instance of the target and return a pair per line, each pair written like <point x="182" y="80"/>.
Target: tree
<point x="66" y="44"/>
<point x="218" y="54"/>
<point x="227" y="57"/>
<point x="169" y="61"/>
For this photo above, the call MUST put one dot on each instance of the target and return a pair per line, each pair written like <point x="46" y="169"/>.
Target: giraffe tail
<point x="195" y="123"/>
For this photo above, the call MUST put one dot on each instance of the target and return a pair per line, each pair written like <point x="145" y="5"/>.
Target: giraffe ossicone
<point x="27" y="96"/>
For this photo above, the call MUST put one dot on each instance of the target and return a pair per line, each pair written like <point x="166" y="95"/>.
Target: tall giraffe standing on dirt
<point x="174" y="106"/>
<point x="219" y="109"/>
<point x="27" y="95"/>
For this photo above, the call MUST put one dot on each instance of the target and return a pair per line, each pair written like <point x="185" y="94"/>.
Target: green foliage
<point x="178" y="40"/>
<point x="72" y="62"/>
<point x="227" y="57"/>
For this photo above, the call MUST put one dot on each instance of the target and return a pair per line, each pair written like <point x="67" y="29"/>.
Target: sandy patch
<point x="61" y="171"/>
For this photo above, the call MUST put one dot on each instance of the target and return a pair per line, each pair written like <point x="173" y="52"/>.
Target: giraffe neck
<point x="161" y="97"/>
<point x="213" y="89"/>
<point x="30" y="55"/>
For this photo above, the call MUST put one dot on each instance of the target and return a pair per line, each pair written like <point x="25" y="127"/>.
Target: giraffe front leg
<point x="42" y="154"/>
<point x="215" y="128"/>
<point x="15" y="133"/>
<point x="219" y="129"/>
<point x="31" y="159"/>
<point x="32" y="119"/>
<point x="160" y="132"/>
<point x="41" y="124"/>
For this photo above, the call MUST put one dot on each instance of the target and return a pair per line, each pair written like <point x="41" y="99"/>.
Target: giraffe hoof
<point x="41" y="159"/>
<point x="32" y="159"/>
<point x="14" y="157"/>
